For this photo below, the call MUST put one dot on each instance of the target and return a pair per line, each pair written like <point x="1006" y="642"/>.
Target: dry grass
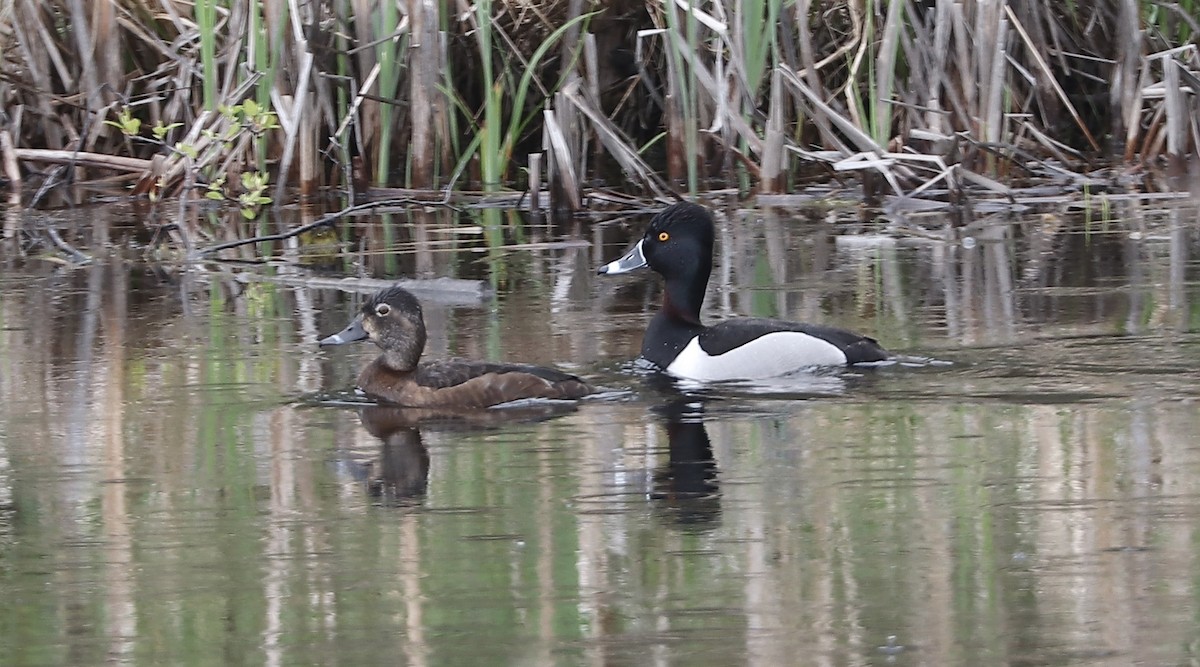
<point x="647" y="97"/>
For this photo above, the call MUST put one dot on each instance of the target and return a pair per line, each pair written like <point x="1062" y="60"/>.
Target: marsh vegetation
<point x="247" y="99"/>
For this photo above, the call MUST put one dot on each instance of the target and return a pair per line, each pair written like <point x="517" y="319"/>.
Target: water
<point x="183" y="479"/>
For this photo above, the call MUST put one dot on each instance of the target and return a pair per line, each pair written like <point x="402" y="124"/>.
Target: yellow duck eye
<point x="663" y="236"/>
<point x="383" y="309"/>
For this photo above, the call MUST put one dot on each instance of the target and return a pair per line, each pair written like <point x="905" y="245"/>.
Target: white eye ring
<point x="383" y="309"/>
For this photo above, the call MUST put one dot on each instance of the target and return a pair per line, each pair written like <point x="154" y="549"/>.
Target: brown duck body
<point x="466" y="384"/>
<point x="392" y="319"/>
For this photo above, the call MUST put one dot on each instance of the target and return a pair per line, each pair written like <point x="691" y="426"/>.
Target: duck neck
<point x="679" y="319"/>
<point x="397" y="361"/>
<point x="402" y="358"/>
<point x="682" y="298"/>
<point x="673" y="327"/>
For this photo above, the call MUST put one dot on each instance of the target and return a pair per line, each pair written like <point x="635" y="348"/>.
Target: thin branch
<point x="320" y="222"/>
<point x="75" y="254"/>
<point x="82" y="158"/>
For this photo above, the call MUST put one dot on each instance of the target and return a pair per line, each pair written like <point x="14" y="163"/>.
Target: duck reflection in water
<point x="399" y="474"/>
<point x="401" y="471"/>
<point x="686" y="489"/>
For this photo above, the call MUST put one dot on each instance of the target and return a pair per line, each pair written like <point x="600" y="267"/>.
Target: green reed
<point x="388" y="53"/>
<point x="758" y="40"/>
<point x="490" y="162"/>
<point x="206" y="19"/>
<point x="519" y="119"/>
<point x="497" y="138"/>
<point x="883" y="75"/>
<point x="682" y="45"/>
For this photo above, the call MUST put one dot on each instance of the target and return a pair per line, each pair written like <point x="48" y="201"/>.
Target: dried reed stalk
<point x="423" y="92"/>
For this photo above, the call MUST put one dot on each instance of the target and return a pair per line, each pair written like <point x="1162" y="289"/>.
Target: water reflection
<point x="686" y="488"/>
<point x="397" y="473"/>
<point x="163" y="500"/>
<point x="401" y="470"/>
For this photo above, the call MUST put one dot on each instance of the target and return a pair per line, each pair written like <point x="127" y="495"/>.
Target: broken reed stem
<point x="564" y="189"/>
<point x="535" y="181"/>
<point x="423" y="80"/>
<point x="773" y="152"/>
<point x="12" y="170"/>
<point x="1176" y="108"/>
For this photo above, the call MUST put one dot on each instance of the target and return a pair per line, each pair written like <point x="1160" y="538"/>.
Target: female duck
<point x="679" y="246"/>
<point x="392" y="320"/>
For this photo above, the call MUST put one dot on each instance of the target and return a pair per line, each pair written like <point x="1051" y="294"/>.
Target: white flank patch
<point x="766" y="356"/>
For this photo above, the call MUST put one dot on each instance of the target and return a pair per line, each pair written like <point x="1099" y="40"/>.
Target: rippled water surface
<point x="184" y="480"/>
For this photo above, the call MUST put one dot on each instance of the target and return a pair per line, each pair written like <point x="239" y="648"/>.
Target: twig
<point x="79" y="257"/>
<point x="51" y="181"/>
<point x="82" y="158"/>
<point x="320" y="222"/>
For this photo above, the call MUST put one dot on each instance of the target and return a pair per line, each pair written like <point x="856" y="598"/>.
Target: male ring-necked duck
<point x="392" y="320"/>
<point x="679" y="246"/>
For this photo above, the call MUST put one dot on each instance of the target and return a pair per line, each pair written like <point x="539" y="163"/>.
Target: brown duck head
<point x="392" y="320"/>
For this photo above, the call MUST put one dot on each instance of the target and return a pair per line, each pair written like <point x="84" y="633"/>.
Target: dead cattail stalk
<point x="535" y="181"/>
<point x="1132" y="125"/>
<point x="992" y="51"/>
<point x="564" y="188"/>
<point x="12" y="170"/>
<point x="773" y="154"/>
<point x="811" y="67"/>
<point x="293" y="110"/>
<point x="1124" y="95"/>
<point x="423" y="89"/>
<point x="1176" y="108"/>
<point x="82" y="34"/>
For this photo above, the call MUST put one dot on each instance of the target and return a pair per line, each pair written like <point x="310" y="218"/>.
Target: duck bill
<point x="351" y="334"/>
<point x="634" y="259"/>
